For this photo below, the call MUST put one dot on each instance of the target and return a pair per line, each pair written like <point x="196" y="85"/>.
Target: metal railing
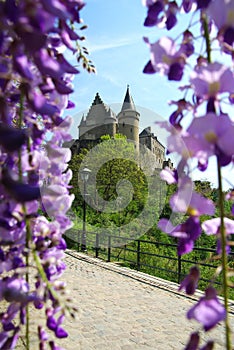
<point x="153" y="257"/>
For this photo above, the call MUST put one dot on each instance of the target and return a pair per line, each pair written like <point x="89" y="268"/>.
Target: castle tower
<point x="128" y="119"/>
<point x="100" y="120"/>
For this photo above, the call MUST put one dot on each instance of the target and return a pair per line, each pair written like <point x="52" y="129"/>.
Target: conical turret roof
<point x="128" y="102"/>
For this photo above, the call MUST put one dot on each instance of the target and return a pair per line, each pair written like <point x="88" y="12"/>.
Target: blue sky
<point x="115" y="42"/>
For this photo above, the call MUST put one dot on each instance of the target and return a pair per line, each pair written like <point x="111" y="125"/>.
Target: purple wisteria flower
<point x="208" y="346"/>
<point x="171" y="13"/>
<point x="206" y="136"/>
<point x="53" y="346"/>
<point x="21" y="192"/>
<point x="55" y="325"/>
<point x="187" y="5"/>
<point x="161" y="13"/>
<point x="12" y="138"/>
<point x="214" y="134"/>
<point x="208" y="311"/>
<point x="185" y="200"/>
<point x="154" y="9"/>
<point x="202" y="4"/>
<point x="170" y="176"/>
<point x="212" y="227"/>
<point x="211" y="80"/>
<point x="186" y="233"/>
<point x="8" y="339"/>
<point x="221" y="13"/>
<point x="190" y="282"/>
<point x="193" y="342"/>
<point x="166" y="59"/>
<point x="177" y="116"/>
<point x="186" y="145"/>
<point x="187" y="45"/>
<point x="42" y="336"/>
<point x="17" y="290"/>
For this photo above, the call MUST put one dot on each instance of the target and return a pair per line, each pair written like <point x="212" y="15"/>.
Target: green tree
<point x="117" y="187"/>
<point x="204" y="187"/>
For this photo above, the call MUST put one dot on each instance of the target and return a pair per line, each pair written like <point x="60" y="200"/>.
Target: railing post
<point x="179" y="268"/>
<point x="125" y="246"/>
<point x="97" y="245"/>
<point x="138" y="255"/>
<point x="78" y="241"/>
<point x="109" y="249"/>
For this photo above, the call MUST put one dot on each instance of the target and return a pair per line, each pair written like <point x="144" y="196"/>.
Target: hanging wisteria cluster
<point x="200" y="128"/>
<point x="35" y="83"/>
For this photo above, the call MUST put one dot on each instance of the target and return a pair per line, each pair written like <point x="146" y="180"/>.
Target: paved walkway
<point x="121" y="309"/>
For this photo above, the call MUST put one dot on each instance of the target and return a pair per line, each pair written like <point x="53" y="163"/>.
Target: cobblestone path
<point x="121" y="309"/>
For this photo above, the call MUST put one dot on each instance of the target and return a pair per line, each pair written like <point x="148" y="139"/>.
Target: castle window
<point x="131" y="129"/>
<point x="123" y="124"/>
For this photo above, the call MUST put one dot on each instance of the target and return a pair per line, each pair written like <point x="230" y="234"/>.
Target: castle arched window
<point x="123" y="124"/>
<point x="131" y="129"/>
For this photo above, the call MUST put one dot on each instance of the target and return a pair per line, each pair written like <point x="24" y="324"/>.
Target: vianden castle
<point x="102" y="120"/>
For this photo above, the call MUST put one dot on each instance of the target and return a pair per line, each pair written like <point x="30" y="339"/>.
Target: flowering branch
<point x="210" y="89"/>
<point x="35" y="84"/>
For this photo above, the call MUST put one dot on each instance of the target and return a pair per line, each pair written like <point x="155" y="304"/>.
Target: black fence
<point x="153" y="257"/>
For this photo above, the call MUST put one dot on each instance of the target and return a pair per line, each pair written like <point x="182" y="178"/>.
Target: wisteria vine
<point x="35" y="83"/>
<point x="200" y="127"/>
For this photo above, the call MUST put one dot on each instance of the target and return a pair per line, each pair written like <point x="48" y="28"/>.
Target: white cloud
<point x="111" y="78"/>
<point x="105" y="43"/>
